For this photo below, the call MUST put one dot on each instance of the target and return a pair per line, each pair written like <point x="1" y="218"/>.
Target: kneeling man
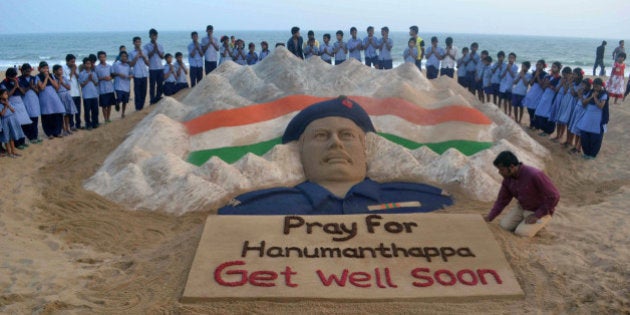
<point x="331" y="138"/>
<point x="536" y="195"/>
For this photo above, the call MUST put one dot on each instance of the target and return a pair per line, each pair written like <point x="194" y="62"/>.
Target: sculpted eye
<point x="347" y="135"/>
<point x="320" y="135"/>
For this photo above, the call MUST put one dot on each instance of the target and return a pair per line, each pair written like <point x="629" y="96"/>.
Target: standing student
<point x="450" y="56"/>
<point x="535" y="92"/>
<point x="568" y="104"/>
<point x="106" y="96"/>
<point x="31" y="101"/>
<point x="563" y="110"/>
<point x="370" y="44"/>
<point x="122" y="82"/>
<point x="411" y="52"/>
<point x="486" y="77"/>
<point x="471" y="66"/>
<point x="561" y="90"/>
<point x="155" y="54"/>
<point x="71" y="75"/>
<point x="50" y="105"/>
<point x="339" y="49"/>
<point x="543" y="109"/>
<point x="385" y="45"/>
<point x="195" y="59"/>
<point x="326" y="50"/>
<point x="181" y="72"/>
<point x="599" y="59"/>
<point x="616" y="81"/>
<point x="479" y="73"/>
<point x="66" y="99"/>
<point x="413" y="32"/>
<point x="10" y="129"/>
<point x="295" y="43"/>
<point x="139" y="61"/>
<point x="461" y="68"/>
<point x="89" y="91"/>
<point x="264" y="50"/>
<point x="170" y="76"/>
<point x="225" y="51"/>
<point x="310" y="35"/>
<point x="240" y="56"/>
<point x="310" y="49"/>
<point x="521" y="83"/>
<point x="354" y="45"/>
<point x="252" y="56"/>
<point x="15" y="93"/>
<point x="578" y="113"/>
<point x="497" y="69"/>
<point x="210" y="47"/>
<point x="121" y="48"/>
<point x="507" y="81"/>
<point x="593" y="123"/>
<point x="434" y="54"/>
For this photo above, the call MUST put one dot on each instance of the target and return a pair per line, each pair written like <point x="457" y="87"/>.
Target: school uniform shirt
<point x="75" y="91"/>
<point x="353" y="50"/>
<point x="211" y="53"/>
<point x="592" y="120"/>
<point x="103" y="70"/>
<point x="225" y="54"/>
<point x="340" y="54"/>
<point x="433" y="59"/>
<point x="461" y="68"/>
<point x="520" y="88"/>
<point x="263" y="54"/>
<point x="497" y="69"/>
<point x="449" y="62"/>
<point x="385" y="53"/>
<point x="472" y="66"/>
<point x="30" y="98"/>
<point x="88" y="90"/>
<point x="251" y="58"/>
<point x="182" y="77"/>
<point x="325" y="49"/>
<point x="370" y="50"/>
<point x="171" y="77"/>
<point x="410" y="54"/>
<point x="196" y="60"/>
<point x="486" y="75"/>
<point x="367" y="196"/>
<point x="120" y="83"/>
<point x="310" y="52"/>
<point x="155" y="62"/>
<point x="140" y="69"/>
<point x="508" y="79"/>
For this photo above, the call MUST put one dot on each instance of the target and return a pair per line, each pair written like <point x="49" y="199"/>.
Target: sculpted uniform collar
<point x="318" y="195"/>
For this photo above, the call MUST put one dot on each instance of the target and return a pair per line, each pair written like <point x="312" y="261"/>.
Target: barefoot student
<point x="106" y="97"/>
<point x="122" y="82"/>
<point x="11" y="129"/>
<point x="536" y="195"/>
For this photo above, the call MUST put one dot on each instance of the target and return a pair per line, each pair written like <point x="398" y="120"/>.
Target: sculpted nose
<point x="335" y="142"/>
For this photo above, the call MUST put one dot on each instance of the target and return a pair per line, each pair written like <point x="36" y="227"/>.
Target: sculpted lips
<point x="337" y="157"/>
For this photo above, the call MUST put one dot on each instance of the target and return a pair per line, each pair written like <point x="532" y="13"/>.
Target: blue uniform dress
<point x="533" y="97"/>
<point x="566" y="106"/>
<point x="555" y="106"/>
<point x="461" y="71"/>
<point x="592" y="126"/>
<point x="16" y="101"/>
<point x="367" y="196"/>
<point x="140" y="74"/>
<point x="66" y="99"/>
<point x="543" y="109"/>
<point x="31" y="102"/>
<point x="90" y="98"/>
<point x="122" y="86"/>
<point x="578" y="112"/>
<point x="52" y="109"/>
<point x="11" y="129"/>
<point x="262" y="55"/>
<point x="471" y="68"/>
<point x="106" y="96"/>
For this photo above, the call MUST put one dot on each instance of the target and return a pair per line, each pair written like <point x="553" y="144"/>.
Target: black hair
<point x="465" y="49"/>
<point x="566" y="70"/>
<point x="153" y="32"/>
<point x="474" y="45"/>
<point x="411" y="39"/>
<point x="135" y="38"/>
<point x="224" y="38"/>
<point x="264" y="43"/>
<point x="311" y="33"/>
<point x="385" y="28"/>
<point x="327" y="35"/>
<point x="488" y="59"/>
<point x="485" y="52"/>
<point x="434" y="39"/>
<point x="279" y="44"/>
<point x="557" y="64"/>
<point x="11" y="72"/>
<point x="92" y="58"/>
<point x="178" y="54"/>
<point x="294" y="30"/>
<point x="86" y="59"/>
<point x="512" y="54"/>
<point x="25" y="67"/>
<point x="122" y="53"/>
<point x="449" y="40"/>
<point x="339" y="32"/>
<point x="353" y="29"/>
<point x="251" y="44"/>
<point x="56" y="67"/>
<point x="70" y="57"/>
<point x="587" y="83"/>
<point x="501" y="54"/>
<point x="623" y="55"/>
<point x="414" y="28"/>
<point x="43" y="64"/>
<point x="604" y="42"/>
<point x="168" y="55"/>
<point x="506" y="159"/>
<point x="527" y="65"/>
<point x="121" y="47"/>
<point x="209" y="27"/>
<point x="598" y="81"/>
<point x="370" y="28"/>
<point x="579" y="76"/>
<point x="193" y="34"/>
<point x="101" y="53"/>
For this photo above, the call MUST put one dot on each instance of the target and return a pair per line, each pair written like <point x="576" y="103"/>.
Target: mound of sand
<point x="149" y="169"/>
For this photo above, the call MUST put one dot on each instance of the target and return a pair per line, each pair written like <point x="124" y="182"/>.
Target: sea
<point x="16" y="49"/>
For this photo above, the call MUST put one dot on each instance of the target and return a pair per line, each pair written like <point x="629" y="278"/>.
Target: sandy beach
<point x="64" y="249"/>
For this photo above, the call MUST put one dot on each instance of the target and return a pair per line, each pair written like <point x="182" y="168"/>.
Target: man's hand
<point x="531" y="219"/>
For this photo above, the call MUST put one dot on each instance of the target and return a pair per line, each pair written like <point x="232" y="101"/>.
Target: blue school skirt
<point x="578" y="113"/>
<point x="543" y="109"/>
<point x="566" y="109"/>
<point x="49" y="102"/>
<point x="11" y="128"/>
<point x="31" y="102"/>
<point x="68" y="102"/>
<point x="555" y="106"/>
<point x="533" y="96"/>
<point x="20" y="110"/>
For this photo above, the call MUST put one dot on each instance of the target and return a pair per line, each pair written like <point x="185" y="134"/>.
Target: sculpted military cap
<point x="341" y="107"/>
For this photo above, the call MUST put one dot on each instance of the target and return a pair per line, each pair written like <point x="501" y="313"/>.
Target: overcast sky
<point x="575" y="18"/>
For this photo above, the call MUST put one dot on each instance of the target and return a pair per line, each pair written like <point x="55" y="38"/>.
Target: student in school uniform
<point x="326" y="49"/>
<point x="88" y="80"/>
<point x="535" y="92"/>
<point x="240" y="55"/>
<point x="66" y="99"/>
<point x="340" y="50"/>
<point x="210" y="47"/>
<point x="50" y="105"/>
<point x="170" y="76"/>
<point x="10" y="129"/>
<point x="593" y="124"/>
<point x="106" y="96"/>
<point x="156" y="54"/>
<point x="252" y="56"/>
<point x="461" y="68"/>
<point x="139" y="61"/>
<point x="561" y="92"/>
<point x="497" y="69"/>
<point x="122" y="82"/>
<point x="264" y="50"/>
<point x="413" y="32"/>
<point x="578" y="113"/>
<point x="507" y="81"/>
<point x="354" y="45"/>
<point x="486" y="78"/>
<point x="71" y="75"/>
<point x="479" y="73"/>
<point x="385" y="45"/>
<point x="471" y="66"/>
<point x="411" y="52"/>
<point x="195" y="59"/>
<point x="225" y="51"/>
<point x="521" y="83"/>
<point x="433" y="54"/>
<point x="370" y="44"/>
<point x="310" y="49"/>
<point x="181" y="72"/>
<point x="543" y="109"/>
<point x="450" y="56"/>
<point x="310" y="35"/>
<point x="30" y="99"/>
<point x="567" y="105"/>
<point x="15" y="93"/>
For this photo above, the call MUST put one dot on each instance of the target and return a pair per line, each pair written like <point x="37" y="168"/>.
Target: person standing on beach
<point x="106" y="96"/>
<point x="210" y="47"/>
<point x="195" y="59"/>
<point x="139" y="61"/>
<point x="71" y="75"/>
<point x="599" y="59"/>
<point x="616" y="84"/>
<point x="536" y="195"/>
<point x="618" y="50"/>
<point x="156" y="68"/>
<point x="340" y="50"/>
<point x="450" y="56"/>
<point x="434" y="55"/>
<point x="369" y="46"/>
<point x="89" y="82"/>
<point x="295" y="43"/>
<point x="385" y="46"/>
<point x="354" y="45"/>
<point x="413" y="32"/>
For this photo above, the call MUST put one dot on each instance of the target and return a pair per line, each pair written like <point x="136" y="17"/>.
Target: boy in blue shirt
<point x="89" y="81"/>
<point x="497" y="69"/>
<point x="156" y="54"/>
<point x="471" y="67"/>
<point x="434" y="54"/>
<point x="195" y="59"/>
<point x="461" y="68"/>
<point x="520" y="90"/>
<point x="139" y="62"/>
<point x="370" y="45"/>
<point x="486" y="78"/>
<point x="122" y="81"/>
<point x="264" y="50"/>
<point x="210" y="48"/>
<point x="411" y="52"/>
<point x="106" y="97"/>
<point x="354" y="45"/>
<point x="385" y="49"/>
<point x="310" y="50"/>
<point x="170" y="76"/>
<point x="326" y="50"/>
<point x="479" y="77"/>
<point x="252" y="56"/>
<point x="507" y="80"/>
<point x="339" y="49"/>
<point x="181" y="72"/>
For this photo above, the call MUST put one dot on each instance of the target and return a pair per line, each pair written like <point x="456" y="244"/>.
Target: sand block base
<point x="353" y="257"/>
